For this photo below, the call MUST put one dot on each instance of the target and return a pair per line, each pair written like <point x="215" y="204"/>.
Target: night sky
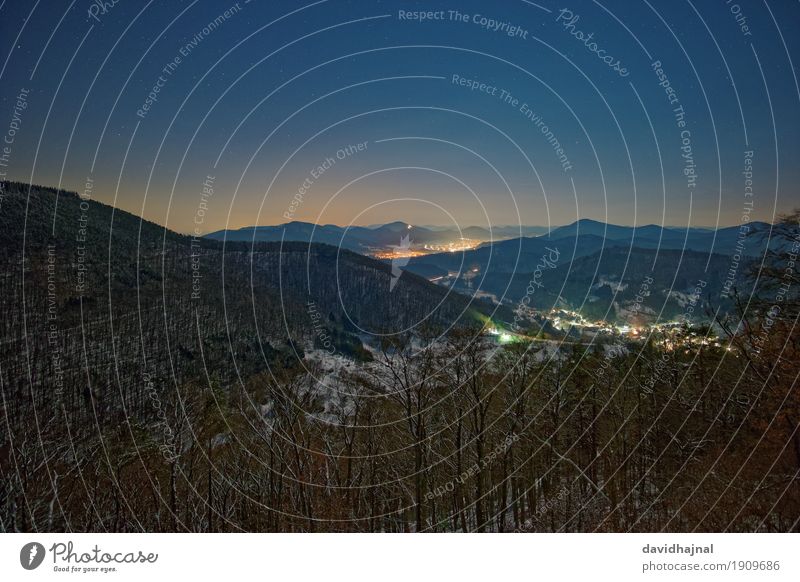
<point x="648" y="120"/>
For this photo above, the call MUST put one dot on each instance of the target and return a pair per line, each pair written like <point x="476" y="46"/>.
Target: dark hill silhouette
<point x="124" y="297"/>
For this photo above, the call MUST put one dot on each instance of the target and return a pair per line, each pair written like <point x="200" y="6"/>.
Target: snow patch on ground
<point x="550" y="351"/>
<point x="615" y="350"/>
<point x="615" y="286"/>
<point x="681" y="298"/>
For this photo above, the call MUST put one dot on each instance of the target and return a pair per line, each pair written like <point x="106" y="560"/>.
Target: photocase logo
<point x="400" y="259"/>
<point x="31" y="555"/>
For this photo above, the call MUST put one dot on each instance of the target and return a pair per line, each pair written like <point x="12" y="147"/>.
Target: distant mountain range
<point x="652" y="236"/>
<point x="363" y="239"/>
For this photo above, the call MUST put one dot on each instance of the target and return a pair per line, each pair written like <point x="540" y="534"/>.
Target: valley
<point x="284" y="384"/>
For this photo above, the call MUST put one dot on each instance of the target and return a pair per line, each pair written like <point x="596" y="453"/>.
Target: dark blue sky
<point x="263" y="95"/>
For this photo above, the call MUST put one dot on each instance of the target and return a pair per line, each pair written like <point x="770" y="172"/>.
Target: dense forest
<point x="285" y="388"/>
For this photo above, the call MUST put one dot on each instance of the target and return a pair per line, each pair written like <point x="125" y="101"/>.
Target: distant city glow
<point x="459" y="245"/>
<point x="464" y="244"/>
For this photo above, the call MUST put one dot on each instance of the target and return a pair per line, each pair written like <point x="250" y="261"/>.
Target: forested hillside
<point x="601" y="268"/>
<point x="78" y="273"/>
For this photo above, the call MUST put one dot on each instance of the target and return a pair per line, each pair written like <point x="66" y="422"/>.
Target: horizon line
<point x="451" y="227"/>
